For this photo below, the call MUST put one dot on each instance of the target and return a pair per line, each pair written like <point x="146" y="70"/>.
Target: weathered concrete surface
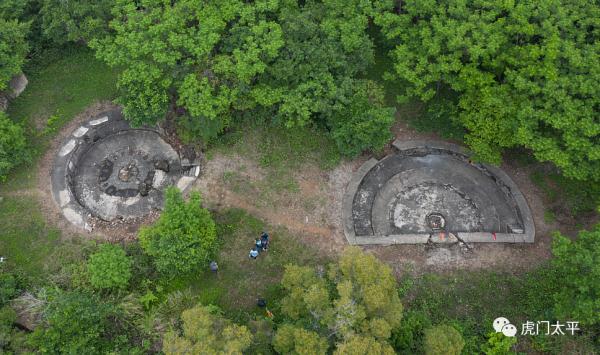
<point x="108" y="170"/>
<point x="388" y="201"/>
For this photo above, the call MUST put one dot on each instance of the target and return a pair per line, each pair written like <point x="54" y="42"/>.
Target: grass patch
<point x="62" y="83"/>
<point x="549" y="216"/>
<point x="277" y="148"/>
<point x="470" y="301"/>
<point x="280" y="152"/>
<point x="32" y="247"/>
<point x="579" y="199"/>
<point x="241" y="280"/>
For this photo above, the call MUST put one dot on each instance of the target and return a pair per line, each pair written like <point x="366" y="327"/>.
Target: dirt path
<point x="312" y="210"/>
<point x="321" y="224"/>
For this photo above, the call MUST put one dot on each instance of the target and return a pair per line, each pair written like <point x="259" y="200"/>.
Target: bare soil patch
<point x="313" y="213"/>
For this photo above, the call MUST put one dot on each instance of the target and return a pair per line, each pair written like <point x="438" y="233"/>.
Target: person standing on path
<point x="264" y="239"/>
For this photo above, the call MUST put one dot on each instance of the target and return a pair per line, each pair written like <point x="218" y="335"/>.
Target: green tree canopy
<point x="13" y="49"/>
<point x="296" y="63"/>
<point x="577" y="266"/>
<point x="76" y="323"/>
<point x="524" y="73"/>
<point x="356" y="301"/>
<point x="183" y="238"/>
<point x="13" y="145"/>
<point x="109" y="267"/>
<point x="299" y="341"/>
<point x="71" y="21"/>
<point x="205" y="331"/>
<point x="443" y="340"/>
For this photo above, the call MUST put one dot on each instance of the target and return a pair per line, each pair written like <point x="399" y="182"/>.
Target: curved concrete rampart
<point x="437" y="176"/>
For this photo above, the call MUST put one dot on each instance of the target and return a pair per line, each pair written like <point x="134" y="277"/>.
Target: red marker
<point x="494" y="235"/>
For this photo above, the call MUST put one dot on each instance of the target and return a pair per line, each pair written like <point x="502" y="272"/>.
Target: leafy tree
<point x="408" y="338"/>
<point x="183" y="238"/>
<point x="443" y="340"/>
<point x="205" y="331"/>
<point x="357" y="298"/>
<point x="498" y="344"/>
<point x="294" y="63"/>
<point x="577" y="266"/>
<point x="13" y="146"/>
<point x="109" y="267"/>
<point x="358" y="345"/>
<point x="71" y="21"/>
<point x="364" y="122"/>
<point x="299" y="341"/>
<point x="525" y="73"/>
<point x="77" y="323"/>
<point x="13" y="49"/>
<point x="13" y="9"/>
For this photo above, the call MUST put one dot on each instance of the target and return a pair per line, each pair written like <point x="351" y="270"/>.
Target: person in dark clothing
<point x="264" y="238"/>
<point x="214" y="267"/>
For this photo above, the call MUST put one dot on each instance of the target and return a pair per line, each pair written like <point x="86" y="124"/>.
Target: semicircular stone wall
<point x="429" y="191"/>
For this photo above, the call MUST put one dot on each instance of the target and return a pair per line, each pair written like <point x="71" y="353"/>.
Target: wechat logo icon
<point x="502" y="325"/>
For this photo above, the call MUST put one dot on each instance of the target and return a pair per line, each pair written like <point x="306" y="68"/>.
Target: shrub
<point x="8" y="287"/>
<point x="498" y="344"/>
<point x="13" y="146"/>
<point x="76" y="324"/>
<point x="183" y="238"/>
<point x="109" y="267"/>
<point x="443" y="340"/>
<point x="576" y="265"/>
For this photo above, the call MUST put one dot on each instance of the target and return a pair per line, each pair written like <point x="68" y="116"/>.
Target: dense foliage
<point x="355" y="304"/>
<point x="205" y="331"/>
<point x="508" y="73"/>
<point x="77" y="323"/>
<point x="184" y="238"/>
<point x="296" y="341"/>
<point x="443" y="340"/>
<point x="577" y="265"/>
<point x="109" y="267"/>
<point x="13" y="49"/>
<point x="72" y="21"/>
<point x="519" y="73"/>
<point x="13" y="145"/>
<point x="283" y="61"/>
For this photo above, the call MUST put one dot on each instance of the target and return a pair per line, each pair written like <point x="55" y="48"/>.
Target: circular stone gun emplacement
<point x="108" y="170"/>
<point x="427" y="190"/>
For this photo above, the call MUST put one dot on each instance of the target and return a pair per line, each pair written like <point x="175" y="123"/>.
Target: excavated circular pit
<point x="436" y="221"/>
<point x="427" y="190"/>
<point x="108" y="170"/>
